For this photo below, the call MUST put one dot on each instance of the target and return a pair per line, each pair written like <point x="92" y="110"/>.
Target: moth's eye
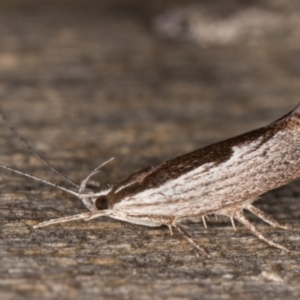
<point x="101" y="203"/>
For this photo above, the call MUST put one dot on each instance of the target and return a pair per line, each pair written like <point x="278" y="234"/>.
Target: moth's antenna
<point x="39" y="179"/>
<point x="34" y="152"/>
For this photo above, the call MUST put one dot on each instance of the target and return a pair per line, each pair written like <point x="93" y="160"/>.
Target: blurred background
<point x="143" y="81"/>
<point x="146" y="72"/>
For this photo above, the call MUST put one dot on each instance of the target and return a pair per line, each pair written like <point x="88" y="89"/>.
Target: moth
<point x="224" y="178"/>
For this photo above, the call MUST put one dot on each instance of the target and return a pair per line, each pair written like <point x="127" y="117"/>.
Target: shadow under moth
<point x="224" y="178"/>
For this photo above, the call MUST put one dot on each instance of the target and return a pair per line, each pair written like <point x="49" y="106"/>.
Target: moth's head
<point x="95" y="201"/>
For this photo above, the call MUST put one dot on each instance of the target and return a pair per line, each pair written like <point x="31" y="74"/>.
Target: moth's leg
<point x="204" y="222"/>
<point x="187" y="236"/>
<point x="171" y="222"/>
<point x="170" y="229"/>
<point x="238" y="215"/>
<point x="97" y="214"/>
<point x="232" y="223"/>
<point x="268" y="219"/>
<point x="84" y="216"/>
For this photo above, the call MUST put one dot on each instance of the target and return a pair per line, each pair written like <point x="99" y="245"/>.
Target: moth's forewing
<point x="230" y="172"/>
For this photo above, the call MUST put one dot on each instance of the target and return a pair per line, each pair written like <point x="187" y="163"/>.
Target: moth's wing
<point x="221" y="175"/>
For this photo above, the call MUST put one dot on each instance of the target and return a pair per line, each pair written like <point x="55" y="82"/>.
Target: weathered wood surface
<point x="86" y="83"/>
